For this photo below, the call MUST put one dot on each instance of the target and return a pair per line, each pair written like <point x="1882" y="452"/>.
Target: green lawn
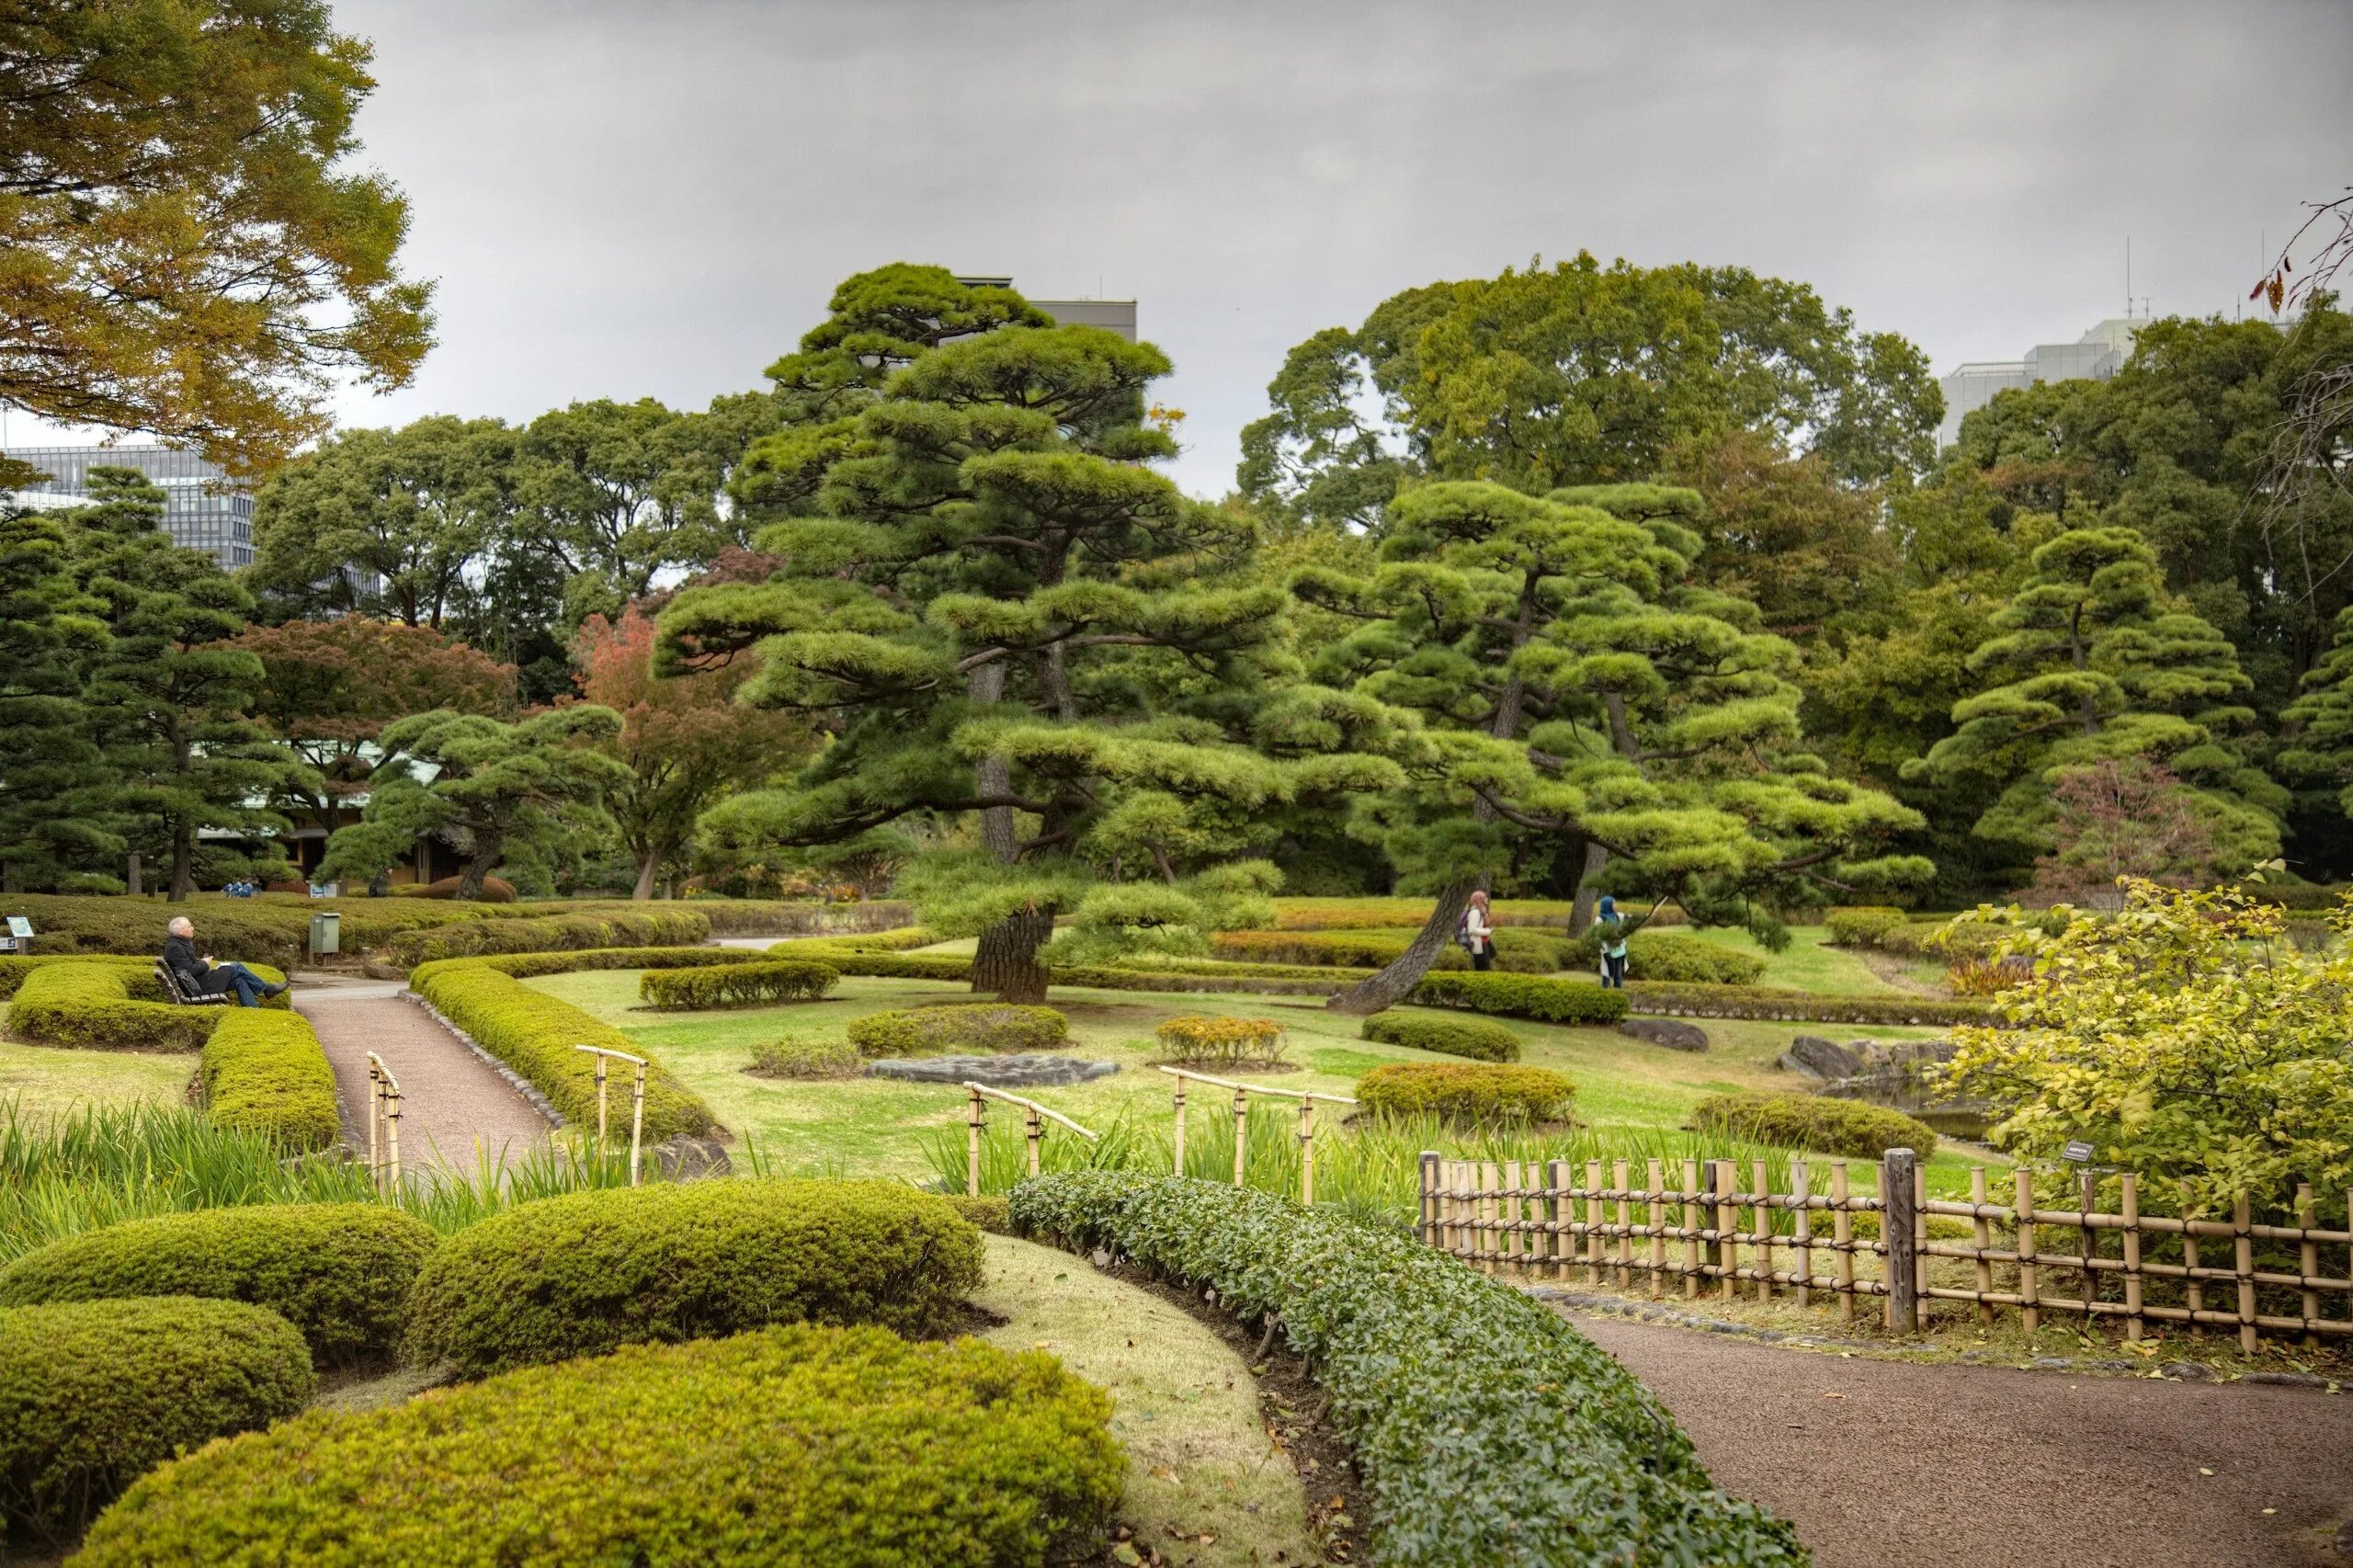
<point x="1808" y="963"/>
<point x="871" y="1126"/>
<point x="45" y="1080"/>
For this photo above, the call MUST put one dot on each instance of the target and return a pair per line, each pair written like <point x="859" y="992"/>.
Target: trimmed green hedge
<point x="94" y="1394"/>
<point x="557" y="933"/>
<point x="526" y="966"/>
<point x="338" y="1272"/>
<point x="1517" y="951"/>
<point x="1523" y="997"/>
<point x="14" y="968"/>
<point x="534" y="1035"/>
<point x="1773" y="1003"/>
<point x="1473" y="1038"/>
<point x="1861" y="925"/>
<point x="1673" y="957"/>
<point x="113" y="1005"/>
<point x="794" y="1445"/>
<point x="263" y="1072"/>
<point x="1488" y="1430"/>
<point x="583" y="1274"/>
<point x="737" y="984"/>
<point x="958" y="1027"/>
<point x="1851" y="1128"/>
<point x="1464" y="1091"/>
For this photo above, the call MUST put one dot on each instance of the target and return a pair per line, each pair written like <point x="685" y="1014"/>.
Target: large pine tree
<point x="2093" y="659"/>
<point x="53" y="775"/>
<point x="1016" y="630"/>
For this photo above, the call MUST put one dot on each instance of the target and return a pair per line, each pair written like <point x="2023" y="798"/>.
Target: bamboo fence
<point x="1720" y="1229"/>
<point x="1241" y="1092"/>
<point x="636" y="1105"/>
<point x="1033" y="1129"/>
<point x="383" y="1123"/>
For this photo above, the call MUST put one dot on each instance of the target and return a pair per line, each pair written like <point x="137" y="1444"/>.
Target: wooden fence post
<point x="1801" y="1191"/>
<point x="636" y="1125"/>
<point x="1657" y="1196"/>
<point x="2242" y="1265"/>
<point x="1596" y="1216"/>
<point x="2308" y="1257"/>
<point x="1727" y="1183"/>
<point x="2028" y="1295"/>
<point x="1842" y="1241"/>
<point x="1564" y="1214"/>
<point x="1033" y="1132"/>
<point x="1763" y="1219"/>
<point x="1429" y="1183"/>
<point x="971" y="1144"/>
<point x="1620" y="1178"/>
<point x="1307" y="1154"/>
<point x="1982" y="1231"/>
<point x="1240" y="1134"/>
<point x="1896" y="1217"/>
<point x="1179" y="1161"/>
<point x="2130" y="1202"/>
<point x="1694" y="1222"/>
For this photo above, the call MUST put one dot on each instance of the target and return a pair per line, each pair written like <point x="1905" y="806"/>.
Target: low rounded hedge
<point x="94" y="1394"/>
<point x="1780" y="1002"/>
<point x="958" y="1027"/>
<point x="108" y="1005"/>
<point x="1517" y="951"/>
<point x="1463" y="1091"/>
<point x="534" y="1035"/>
<point x="584" y="1274"/>
<point x="1220" y="1039"/>
<point x="494" y="889"/>
<point x="737" y="984"/>
<point x="1487" y="1429"/>
<point x="1674" y="958"/>
<point x="339" y="1272"/>
<point x="1523" y="997"/>
<point x="1473" y="1038"/>
<point x="1861" y="925"/>
<point x="795" y="1446"/>
<point x="1851" y="1128"/>
<point x="636" y="928"/>
<point x="264" y="1072"/>
<point x="819" y="1058"/>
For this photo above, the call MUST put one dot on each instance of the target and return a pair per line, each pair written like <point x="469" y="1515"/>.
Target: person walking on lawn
<point x="1479" y="933"/>
<point x="1610" y="927"/>
<point x="201" y="977"/>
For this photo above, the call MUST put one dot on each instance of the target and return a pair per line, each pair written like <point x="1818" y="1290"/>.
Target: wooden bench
<point x="181" y="994"/>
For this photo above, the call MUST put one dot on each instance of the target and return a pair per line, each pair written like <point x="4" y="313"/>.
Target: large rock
<point x="1811" y="1056"/>
<point x="685" y="1158"/>
<point x="998" y="1072"/>
<point x="1670" y="1032"/>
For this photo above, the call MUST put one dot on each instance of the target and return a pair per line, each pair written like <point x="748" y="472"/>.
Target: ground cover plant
<point x="1487" y="1429"/>
<point x="1813" y="1122"/>
<point x="581" y="1274"/>
<point x="737" y="985"/>
<point x="662" y="1455"/>
<point x="93" y="1394"/>
<point x="1465" y="1091"/>
<point x="340" y="1273"/>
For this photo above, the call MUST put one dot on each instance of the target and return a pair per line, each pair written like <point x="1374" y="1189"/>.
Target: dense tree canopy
<point x="181" y="248"/>
<point x="52" y="806"/>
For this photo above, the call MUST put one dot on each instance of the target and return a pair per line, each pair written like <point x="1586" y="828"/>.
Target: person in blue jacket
<point x="1610" y="927"/>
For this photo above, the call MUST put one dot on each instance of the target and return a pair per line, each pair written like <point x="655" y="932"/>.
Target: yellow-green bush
<point x="1220" y="1041"/>
<point x="1851" y="1128"/>
<point x="1473" y="1038"/>
<point x="583" y="1274"/>
<point x="534" y="1035"/>
<point x="338" y="1272"/>
<point x="958" y="1027"/>
<point x="263" y="1072"/>
<point x="1464" y="1091"/>
<point x="737" y="984"/>
<point x="794" y="1445"/>
<point x="14" y="969"/>
<point x="94" y="1394"/>
<point x="112" y="1006"/>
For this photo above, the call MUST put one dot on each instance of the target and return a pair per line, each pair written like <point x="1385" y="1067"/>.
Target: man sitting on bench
<point x="201" y="977"/>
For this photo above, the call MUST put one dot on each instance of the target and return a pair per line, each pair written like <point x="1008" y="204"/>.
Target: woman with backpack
<point x="1477" y="935"/>
<point x="1610" y="927"/>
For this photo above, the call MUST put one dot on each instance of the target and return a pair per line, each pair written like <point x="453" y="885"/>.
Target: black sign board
<point x="2078" y="1153"/>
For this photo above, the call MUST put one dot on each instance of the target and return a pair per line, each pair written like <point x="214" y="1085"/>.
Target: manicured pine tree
<point x="1572" y="686"/>
<point x="996" y="610"/>
<point x="2319" y="750"/>
<point x="168" y="702"/>
<point x="2093" y="659"/>
<point x="53" y="778"/>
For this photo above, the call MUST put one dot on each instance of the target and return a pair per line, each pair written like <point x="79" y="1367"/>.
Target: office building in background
<point x="203" y="510"/>
<point x="1118" y="315"/>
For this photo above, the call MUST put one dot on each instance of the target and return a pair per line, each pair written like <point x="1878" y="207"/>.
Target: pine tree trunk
<point x="649" y="868"/>
<point x="1007" y="961"/>
<point x="478" y="866"/>
<point x="183" y="882"/>
<point x="1588" y="890"/>
<point x="1392" y="985"/>
<point x="131" y="881"/>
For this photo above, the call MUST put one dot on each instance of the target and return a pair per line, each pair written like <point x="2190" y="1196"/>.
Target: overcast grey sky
<point x="632" y="199"/>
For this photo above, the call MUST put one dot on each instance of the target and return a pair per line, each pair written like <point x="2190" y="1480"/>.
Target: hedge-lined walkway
<point x="451" y="1101"/>
<point x="1989" y="1467"/>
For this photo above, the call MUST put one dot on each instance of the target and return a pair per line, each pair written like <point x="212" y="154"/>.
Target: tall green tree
<point x="492" y="790"/>
<point x="992" y="605"/>
<point x="385" y="523"/>
<point x="53" y="775"/>
<point x="1573" y="685"/>
<point x="168" y="699"/>
<point x="187" y="249"/>
<point x="2093" y="659"/>
<point x="1579" y="374"/>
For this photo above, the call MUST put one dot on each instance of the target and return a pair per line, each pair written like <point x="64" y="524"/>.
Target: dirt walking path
<point x="451" y="1101"/>
<point x="1881" y="1463"/>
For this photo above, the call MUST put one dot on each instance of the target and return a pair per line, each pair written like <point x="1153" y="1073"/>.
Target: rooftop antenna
<point x="2128" y="277"/>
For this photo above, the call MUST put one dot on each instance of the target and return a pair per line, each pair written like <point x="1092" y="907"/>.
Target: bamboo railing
<point x="383" y="1123"/>
<point x="1033" y="1117"/>
<point x="1241" y="1092"/>
<point x="636" y="1106"/>
<point x="1715" y="1231"/>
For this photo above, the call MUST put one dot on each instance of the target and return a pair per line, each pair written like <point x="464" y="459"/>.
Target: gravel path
<point x="450" y="1100"/>
<point x="1881" y="1462"/>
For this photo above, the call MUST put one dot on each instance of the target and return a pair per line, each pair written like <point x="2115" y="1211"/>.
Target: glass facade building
<point x="203" y="509"/>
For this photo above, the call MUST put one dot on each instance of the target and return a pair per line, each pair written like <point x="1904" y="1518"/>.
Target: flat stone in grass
<point x="1001" y="1072"/>
<point x="1815" y="1057"/>
<point x="1672" y="1033"/>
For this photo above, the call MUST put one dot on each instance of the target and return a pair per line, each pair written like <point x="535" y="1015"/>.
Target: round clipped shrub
<point x="584" y="1274"/>
<point x="1862" y="924"/>
<point x="94" y="1394"/>
<point x="338" y="1272"/>
<point x="738" y="984"/>
<point x="1473" y="1038"/>
<point x="806" y="1059"/>
<point x="954" y="1026"/>
<point x="797" y="1444"/>
<point x="1221" y="1041"/>
<point x="1467" y="1092"/>
<point x="1671" y="956"/>
<point x="1808" y="1121"/>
